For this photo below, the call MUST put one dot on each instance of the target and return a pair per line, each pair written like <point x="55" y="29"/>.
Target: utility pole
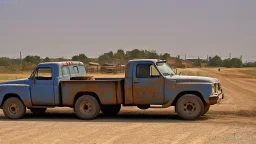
<point x="20" y="58"/>
<point x="229" y="55"/>
<point x="20" y="61"/>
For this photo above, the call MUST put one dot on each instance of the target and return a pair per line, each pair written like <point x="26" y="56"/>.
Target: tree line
<point x="122" y="57"/>
<point x="216" y="61"/>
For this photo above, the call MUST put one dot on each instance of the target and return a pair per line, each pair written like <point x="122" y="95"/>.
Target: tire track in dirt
<point x="243" y="100"/>
<point x="238" y="99"/>
<point x="244" y="95"/>
<point x="213" y="133"/>
<point x="248" y="84"/>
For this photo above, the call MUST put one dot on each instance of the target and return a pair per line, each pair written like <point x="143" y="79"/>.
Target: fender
<point x="174" y="91"/>
<point x="22" y="90"/>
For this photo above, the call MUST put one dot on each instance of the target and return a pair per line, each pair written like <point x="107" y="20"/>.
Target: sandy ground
<point x="232" y="121"/>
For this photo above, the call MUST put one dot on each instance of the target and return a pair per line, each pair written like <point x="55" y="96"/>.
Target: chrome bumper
<point x="216" y="98"/>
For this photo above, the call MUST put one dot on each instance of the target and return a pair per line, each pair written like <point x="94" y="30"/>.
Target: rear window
<point x="82" y="70"/>
<point x="76" y="69"/>
<point x="73" y="69"/>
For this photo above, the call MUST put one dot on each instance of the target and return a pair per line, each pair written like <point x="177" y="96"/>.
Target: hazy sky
<point x="63" y="28"/>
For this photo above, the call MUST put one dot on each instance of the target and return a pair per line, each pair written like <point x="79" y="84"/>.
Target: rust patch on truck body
<point x="108" y="91"/>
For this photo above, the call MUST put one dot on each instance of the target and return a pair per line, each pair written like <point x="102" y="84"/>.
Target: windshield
<point x="164" y="68"/>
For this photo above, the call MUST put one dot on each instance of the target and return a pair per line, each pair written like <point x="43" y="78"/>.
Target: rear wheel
<point x="110" y="110"/>
<point x="38" y="110"/>
<point x="189" y="107"/>
<point x="87" y="107"/>
<point x="206" y="108"/>
<point x="14" y="108"/>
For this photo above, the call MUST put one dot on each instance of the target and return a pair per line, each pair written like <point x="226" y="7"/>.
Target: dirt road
<point x="232" y="121"/>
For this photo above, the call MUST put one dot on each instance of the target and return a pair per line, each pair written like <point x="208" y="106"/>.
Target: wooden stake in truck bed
<point x="148" y="83"/>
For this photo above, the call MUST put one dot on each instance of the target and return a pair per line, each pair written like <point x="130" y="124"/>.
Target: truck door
<point x="42" y="91"/>
<point x="148" y="85"/>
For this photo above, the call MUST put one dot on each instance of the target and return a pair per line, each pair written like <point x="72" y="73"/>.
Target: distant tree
<point x="165" y="56"/>
<point x="151" y="54"/>
<point x="4" y="61"/>
<point x="32" y="59"/>
<point x="234" y="62"/>
<point x="47" y="59"/>
<point x="81" y="57"/>
<point x="106" y="57"/>
<point x="215" y="61"/>
<point x="249" y="64"/>
<point x="137" y="54"/>
<point x="237" y="62"/>
<point x="119" y="54"/>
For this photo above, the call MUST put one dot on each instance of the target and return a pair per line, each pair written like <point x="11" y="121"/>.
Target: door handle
<point x="136" y="82"/>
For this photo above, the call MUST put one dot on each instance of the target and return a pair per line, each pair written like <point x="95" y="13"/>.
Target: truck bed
<point x="109" y="90"/>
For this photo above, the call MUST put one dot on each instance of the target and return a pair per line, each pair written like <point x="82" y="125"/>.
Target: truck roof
<point x="145" y="60"/>
<point x="62" y="63"/>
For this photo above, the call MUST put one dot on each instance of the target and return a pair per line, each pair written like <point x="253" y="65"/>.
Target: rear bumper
<point x="216" y="98"/>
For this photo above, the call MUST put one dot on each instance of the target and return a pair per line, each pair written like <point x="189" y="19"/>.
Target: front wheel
<point x="87" y="107"/>
<point x="189" y="107"/>
<point x="110" y="110"/>
<point x="14" y="108"/>
<point x="38" y="110"/>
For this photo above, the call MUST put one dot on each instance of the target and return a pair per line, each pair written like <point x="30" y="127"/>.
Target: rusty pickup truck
<point x="148" y="83"/>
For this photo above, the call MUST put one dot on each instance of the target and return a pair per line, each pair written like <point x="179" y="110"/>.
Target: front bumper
<point x="216" y="98"/>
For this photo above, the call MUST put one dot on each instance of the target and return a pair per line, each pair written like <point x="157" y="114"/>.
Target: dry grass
<point x="8" y="76"/>
<point x="250" y="72"/>
<point x="211" y="72"/>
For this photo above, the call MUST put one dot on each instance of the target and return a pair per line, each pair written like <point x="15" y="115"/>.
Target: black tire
<point x="87" y="107"/>
<point x="110" y="110"/>
<point x="14" y="108"/>
<point x="189" y="107"/>
<point x="206" y="108"/>
<point x="38" y="110"/>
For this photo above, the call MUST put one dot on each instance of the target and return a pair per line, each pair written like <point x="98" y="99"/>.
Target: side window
<point x="153" y="71"/>
<point x="146" y="71"/>
<point x="43" y="73"/>
<point x="65" y="71"/>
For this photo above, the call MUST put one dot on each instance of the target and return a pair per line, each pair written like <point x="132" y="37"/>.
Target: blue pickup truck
<point x="148" y="83"/>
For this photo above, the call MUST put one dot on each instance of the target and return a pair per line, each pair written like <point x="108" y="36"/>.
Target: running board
<point x="156" y="106"/>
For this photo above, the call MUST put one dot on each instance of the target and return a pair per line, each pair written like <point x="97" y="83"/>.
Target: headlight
<point x="213" y="88"/>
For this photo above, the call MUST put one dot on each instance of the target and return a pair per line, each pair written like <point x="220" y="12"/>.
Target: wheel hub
<point x="190" y="107"/>
<point x="13" y="109"/>
<point x="86" y="107"/>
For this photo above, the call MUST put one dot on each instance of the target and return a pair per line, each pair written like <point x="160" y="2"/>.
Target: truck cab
<point x="44" y="81"/>
<point x="42" y="87"/>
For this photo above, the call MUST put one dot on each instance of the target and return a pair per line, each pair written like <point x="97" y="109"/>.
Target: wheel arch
<point x="188" y="92"/>
<point x="9" y="95"/>
<point x="79" y="94"/>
